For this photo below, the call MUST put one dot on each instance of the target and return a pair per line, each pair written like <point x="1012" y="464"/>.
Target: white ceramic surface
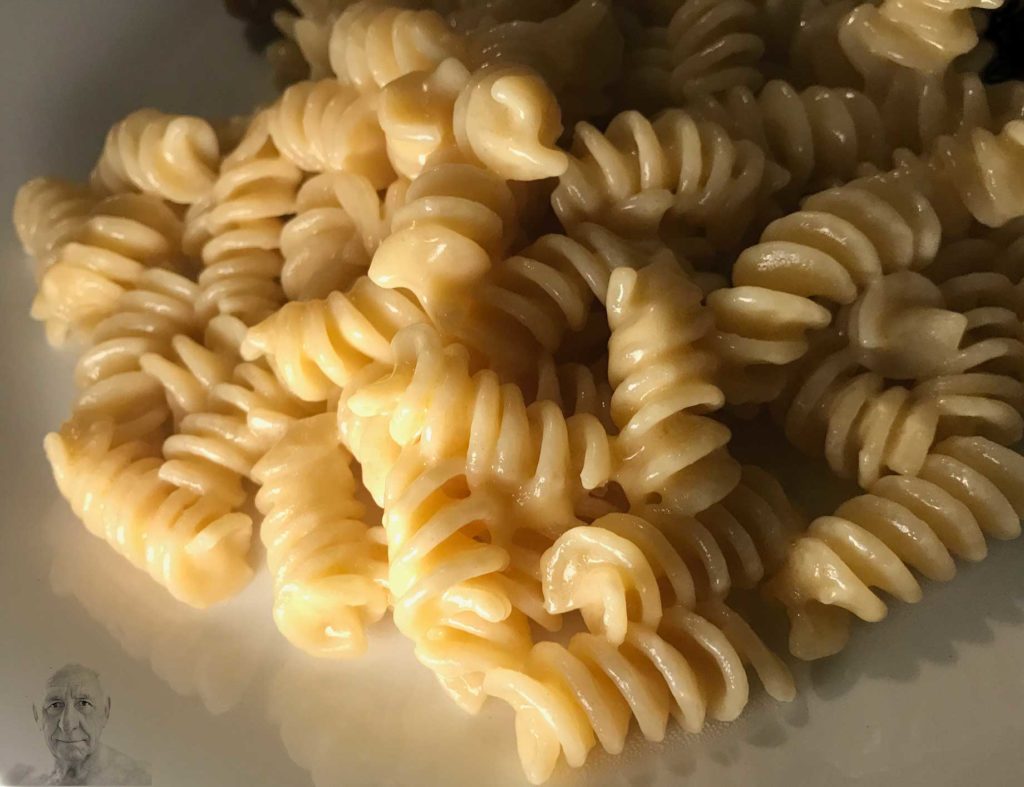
<point x="932" y="696"/>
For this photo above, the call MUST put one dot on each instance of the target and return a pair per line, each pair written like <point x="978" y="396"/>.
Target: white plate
<point x="932" y="696"/>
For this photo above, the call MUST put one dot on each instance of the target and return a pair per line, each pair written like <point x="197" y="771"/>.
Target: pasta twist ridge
<point x="238" y="233"/>
<point x="842" y="239"/>
<point x="374" y="43"/>
<point x="123" y="235"/>
<point x="820" y="135"/>
<point x="924" y="35"/>
<point x="325" y="125"/>
<point x="329" y="573"/>
<point x="549" y="287"/>
<point x="48" y="212"/>
<point x="194" y="546"/>
<point x="174" y="157"/>
<point x="457" y="219"/>
<point x="969" y="488"/>
<point x="578" y="52"/>
<point x="663" y="384"/>
<point x="639" y="662"/>
<point x="444" y="580"/>
<point x="632" y="175"/>
<point x="531" y="454"/>
<point x="214" y="449"/>
<point x="315" y="347"/>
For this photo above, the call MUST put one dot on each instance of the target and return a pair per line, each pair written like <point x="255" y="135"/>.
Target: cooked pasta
<point x="443" y="581"/>
<point x="843" y="239"/>
<point x="309" y="33"/>
<point x="638" y="661"/>
<point x="549" y="287"/>
<point x="194" y="546"/>
<point x="123" y="235"/>
<point x="326" y="125"/>
<point x="525" y="337"/>
<point x="174" y="157"/>
<point x="819" y="135"/>
<point x="374" y="43"/>
<point x="48" y="213"/>
<point x="323" y="249"/>
<point x="239" y="231"/>
<point x="968" y="489"/>
<point x="638" y="171"/>
<point x="329" y="574"/>
<point x="316" y="346"/>
<point x="663" y="384"/>
<point x="925" y="35"/>
<point x="188" y="368"/>
<point x="578" y="52"/>
<point x="215" y="448"/>
<point x="456" y="218"/>
<point x="864" y="427"/>
<point x="532" y="455"/>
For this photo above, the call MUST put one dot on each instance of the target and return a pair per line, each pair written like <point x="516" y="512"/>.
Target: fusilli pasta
<point x="174" y="157"/>
<point x="967" y="489"/>
<point x="329" y="574"/>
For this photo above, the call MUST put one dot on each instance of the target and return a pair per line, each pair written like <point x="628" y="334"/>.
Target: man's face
<point x="73" y="715"/>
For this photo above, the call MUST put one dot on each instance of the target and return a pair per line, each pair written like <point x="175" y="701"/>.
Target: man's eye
<point x="84" y="704"/>
<point x="57" y="705"/>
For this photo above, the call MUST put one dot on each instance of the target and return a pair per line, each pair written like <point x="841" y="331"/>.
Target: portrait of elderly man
<point x="72" y="713"/>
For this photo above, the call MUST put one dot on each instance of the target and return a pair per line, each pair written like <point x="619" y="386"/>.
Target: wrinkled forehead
<point x="74" y="683"/>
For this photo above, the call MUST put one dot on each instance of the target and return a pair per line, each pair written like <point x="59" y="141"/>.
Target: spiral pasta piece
<point x="48" y="213"/>
<point x="306" y="36"/>
<point x="238" y="233"/>
<point x="174" y="157"/>
<point x="843" y="239"/>
<point x="214" y="449"/>
<point x="970" y="174"/>
<point x="329" y="575"/>
<point x="444" y="581"/>
<point x="123" y="236"/>
<point x="864" y="427"/>
<point x="802" y="41"/>
<point x="503" y="117"/>
<point x="532" y="454"/>
<point x="969" y="488"/>
<point x="713" y="46"/>
<point x="821" y="136"/>
<point x="672" y="453"/>
<point x="374" y="43"/>
<point x="639" y="661"/>
<point x="188" y="368"/>
<point x="324" y="249"/>
<point x="325" y="125"/>
<point x="457" y="219"/>
<point x="194" y="546"/>
<point x="578" y="52"/>
<point x="925" y="35"/>
<point x="638" y="171"/>
<point x="550" y="286"/>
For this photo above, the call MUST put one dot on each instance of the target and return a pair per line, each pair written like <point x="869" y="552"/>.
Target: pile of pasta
<point x="505" y="265"/>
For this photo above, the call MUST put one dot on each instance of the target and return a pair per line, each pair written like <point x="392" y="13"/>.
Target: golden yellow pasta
<point x="195" y="546"/>
<point x="174" y="157"/>
<point x="672" y="454"/>
<point x="637" y="172"/>
<point x="843" y="239"/>
<point x="921" y="34"/>
<point x="968" y="488"/>
<point x="329" y="573"/>
<point x="326" y="125"/>
<point x="49" y="212"/>
<point x="123" y="235"/>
